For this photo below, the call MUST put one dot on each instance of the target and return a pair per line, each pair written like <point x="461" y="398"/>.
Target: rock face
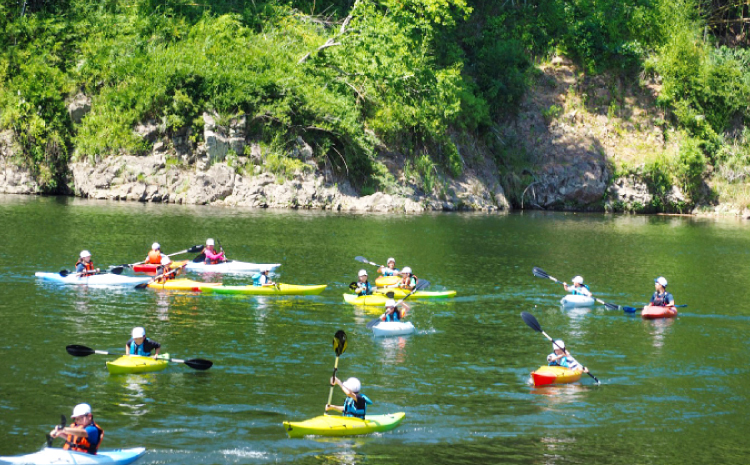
<point x="14" y="178"/>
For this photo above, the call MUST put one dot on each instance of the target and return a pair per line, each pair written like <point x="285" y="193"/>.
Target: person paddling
<point x="392" y="312"/>
<point x="408" y="280"/>
<point x="356" y="403"/>
<point x="262" y="278"/>
<point x="363" y="286"/>
<point x="84" y="266"/>
<point x="141" y="345"/>
<point x="155" y="257"/>
<point x="661" y="297"/>
<point x="561" y="357"/>
<point x="578" y="288"/>
<point x="83" y="435"/>
<point x="389" y="269"/>
<point x="212" y="257"/>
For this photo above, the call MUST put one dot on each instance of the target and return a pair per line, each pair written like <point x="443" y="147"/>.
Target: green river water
<point x="672" y="392"/>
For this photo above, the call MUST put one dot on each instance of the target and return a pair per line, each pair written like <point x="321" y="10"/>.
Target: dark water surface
<point x="672" y="392"/>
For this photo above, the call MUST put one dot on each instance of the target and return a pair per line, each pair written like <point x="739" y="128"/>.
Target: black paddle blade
<point x="64" y="273"/>
<point x="79" y="351"/>
<point x="199" y="363"/>
<point x="196" y="248"/>
<point x="374" y="322"/>
<point x="540" y="273"/>
<point x="200" y="258"/>
<point x="339" y="342"/>
<point x="353" y="285"/>
<point x="116" y="269"/>
<point x="63" y="421"/>
<point x="529" y="319"/>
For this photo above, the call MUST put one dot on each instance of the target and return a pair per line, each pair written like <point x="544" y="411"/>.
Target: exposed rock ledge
<point x="150" y="179"/>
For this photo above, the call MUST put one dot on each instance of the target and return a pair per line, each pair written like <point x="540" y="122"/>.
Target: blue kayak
<point x="51" y="456"/>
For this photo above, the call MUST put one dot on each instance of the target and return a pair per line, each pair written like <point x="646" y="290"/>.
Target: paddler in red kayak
<point x="356" y="403"/>
<point x="661" y="297"/>
<point x="84" y="266"/>
<point x="83" y="435"/>
<point x="561" y="357"/>
<point x="578" y="288"/>
<point x="155" y="257"/>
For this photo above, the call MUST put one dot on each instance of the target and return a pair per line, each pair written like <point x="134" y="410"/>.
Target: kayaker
<point x="408" y="280"/>
<point x="83" y="435"/>
<point x="661" y="297"/>
<point x="363" y="286"/>
<point x="155" y="257"/>
<point x="561" y="357"/>
<point x="356" y="403"/>
<point x="262" y="279"/>
<point x="84" y="266"/>
<point x="578" y="288"/>
<point x="393" y="313"/>
<point x="212" y="258"/>
<point x="389" y="269"/>
<point x="141" y="345"/>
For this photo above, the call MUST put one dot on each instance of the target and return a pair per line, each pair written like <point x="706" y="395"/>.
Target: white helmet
<point x="558" y="344"/>
<point x="209" y="242"/>
<point x="155" y="246"/>
<point x="391" y="259"/>
<point x="578" y="280"/>
<point x="80" y="410"/>
<point x="352" y="384"/>
<point x="362" y="273"/>
<point x="661" y="280"/>
<point x="85" y="253"/>
<point x="139" y="332"/>
<point x="406" y="270"/>
<point x="390" y="303"/>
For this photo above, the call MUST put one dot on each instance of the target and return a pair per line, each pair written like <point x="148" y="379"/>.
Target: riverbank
<point x="578" y="143"/>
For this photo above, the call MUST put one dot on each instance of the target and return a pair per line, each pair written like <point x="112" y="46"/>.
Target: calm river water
<point x="672" y="392"/>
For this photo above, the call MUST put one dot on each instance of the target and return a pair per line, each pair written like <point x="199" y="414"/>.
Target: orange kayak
<point x="653" y="313"/>
<point x="555" y="375"/>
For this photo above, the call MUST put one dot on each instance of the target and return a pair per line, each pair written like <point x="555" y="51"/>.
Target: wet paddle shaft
<point x="339" y="346"/>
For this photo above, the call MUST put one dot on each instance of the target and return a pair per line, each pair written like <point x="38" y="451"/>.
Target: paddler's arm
<point x="339" y="408"/>
<point x="73" y="431"/>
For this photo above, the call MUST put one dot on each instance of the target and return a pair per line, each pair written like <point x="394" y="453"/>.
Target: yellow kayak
<point x="137" y="364"/>
<point x="399" y="293"/>
<point x="385" y="281"/>
<point x="555" y="375"/>
<point x="183" y="285"/>
<point x="336" y="425"/>
<point x="282" y="289"/>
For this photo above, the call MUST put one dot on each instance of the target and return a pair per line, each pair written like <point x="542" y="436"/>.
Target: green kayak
<point x="281" y="289"/>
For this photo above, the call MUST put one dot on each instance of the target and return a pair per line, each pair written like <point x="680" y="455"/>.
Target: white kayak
<point x="231" y="266"/>
<point x="102" y="279"/>
<point x="393" y="328"/>
<point x="571" y="300"/>
<point x="52" y="456"/>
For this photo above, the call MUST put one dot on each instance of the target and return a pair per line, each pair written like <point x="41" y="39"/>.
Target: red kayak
<point x="653" y="313"/>
<point x="152" y="269"/>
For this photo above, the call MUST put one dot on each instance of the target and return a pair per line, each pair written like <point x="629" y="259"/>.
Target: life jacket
<point x="408" y="280"/>
<point x="366" y="288"/>
<point x="154" y="258"/>
<point x="77" y="444"/>
<point x="660" y="300"/>
<point x="136" y="349"/>
<point x="86" y="266"/>
<point x="256" y="279"/>
<point x="356" y="408"/>
<point x="209" y="261"/>
<point x="395" y="316"/>
<point x="574" y="290"/>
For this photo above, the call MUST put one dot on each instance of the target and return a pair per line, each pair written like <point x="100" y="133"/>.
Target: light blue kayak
<point x="50" y="456"/>
<point x="103" y="279"/>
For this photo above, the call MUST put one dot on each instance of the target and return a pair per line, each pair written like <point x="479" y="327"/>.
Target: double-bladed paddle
<point x="420" y="285"/>
<point x="529" y="319"/>
<point x="362" y="259"/>
<point x="540" y="273"/>
<point x="634" y="309"/>
<point x="339" y="346"/>
<point x="63" y="423"/>
<point x="65" y="273"/>
<point x="83" y="351"/>
<point x="117" y="269"/>
<point x="158" y="277"/>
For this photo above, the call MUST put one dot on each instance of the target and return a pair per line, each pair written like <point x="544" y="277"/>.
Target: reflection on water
<point x="134" y="397"/>
<point x="658" y="329"/>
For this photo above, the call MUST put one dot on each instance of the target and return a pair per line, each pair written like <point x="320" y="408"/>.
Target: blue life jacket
<point x="136" y="349"/>
<point x="367" y="288"/>
<point x="395" y="316"/>
<point x="356" y="408"/>
<point x="574" y="290"/>
<point x="256" y="279"/>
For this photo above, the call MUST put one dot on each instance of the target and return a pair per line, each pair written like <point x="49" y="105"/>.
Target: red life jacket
<point x="82" y="444"/>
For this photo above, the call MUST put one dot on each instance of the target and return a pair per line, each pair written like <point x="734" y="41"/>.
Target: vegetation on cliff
<point x="359" y="78"/>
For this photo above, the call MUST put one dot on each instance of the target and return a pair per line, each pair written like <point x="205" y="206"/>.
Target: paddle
<point x="339" y="346"/>
<point x="117" y="269"/>
<point x="529" y="319"/>
<point x="540" y="273"/>
<point x="634" y="309"/>
<point x="157" y="277"/>
<point x="83" y="351"/>
<point x="65" y="273"/>
<point x="418" y="287"/>
<point x="362" y="259"/>
<point x="63" y="423"/>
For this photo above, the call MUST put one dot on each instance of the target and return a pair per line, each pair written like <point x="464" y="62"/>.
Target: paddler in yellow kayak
<point x="408" y="280"/>
<point x="578" y="288"/>
<point x="356" y="403"/>
<point x="389" y="269"/>
<point x="83" y="435"/>
<point x="139" y="344"/>
<point x="561" y="357"/>
<point x="362" y="286"/>
<point x="262" y="279"/>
